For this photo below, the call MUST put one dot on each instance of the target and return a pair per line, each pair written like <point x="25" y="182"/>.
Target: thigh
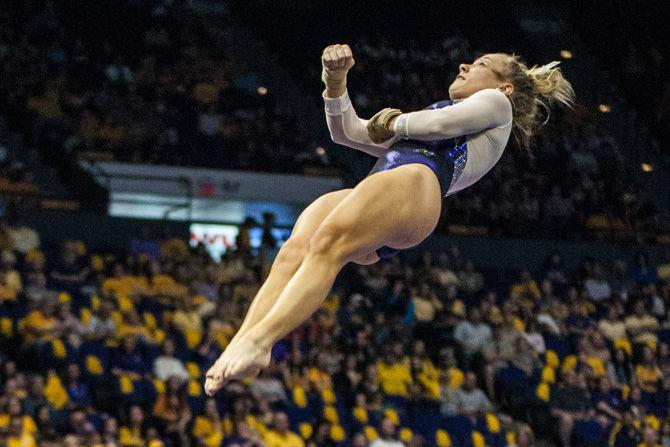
<point x="398" y="208"/>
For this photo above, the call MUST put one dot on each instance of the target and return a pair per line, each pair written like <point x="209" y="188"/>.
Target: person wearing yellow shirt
<point x="641" y="326"/>
<point x="132" y="326"/>
<point x="41" y="323"/>
<point x="394" y="372"/>
<point x="647" y="373"/>
<point x="612" y="327"/>
<point x="207" y="428"/>
<point x="426" y="304"/>
<point x="15" y="410"/>
<point x="280" y="436"/>
<point x="132" y="435"/>
<point x="187" y="317"/>
<point x="526" y="289"/>
<point x="18" y="436"/>
<point x="425" y="371"/>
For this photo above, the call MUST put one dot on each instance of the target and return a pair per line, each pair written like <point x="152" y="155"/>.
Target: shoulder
<point x="490" y="94"/>
<point x="493" y="98"/>
<point x="493" y="103"/>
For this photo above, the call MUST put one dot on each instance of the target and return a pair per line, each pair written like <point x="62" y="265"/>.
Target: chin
<point x="454" y="93"/>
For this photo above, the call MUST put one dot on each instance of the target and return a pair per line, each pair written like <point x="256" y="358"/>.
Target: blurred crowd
<point x="169" y="90"/>
<point x="109" y="349"/>
<point x="166" y="90"/>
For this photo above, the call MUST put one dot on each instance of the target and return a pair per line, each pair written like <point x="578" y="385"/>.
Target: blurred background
<point x="154" y="155"/>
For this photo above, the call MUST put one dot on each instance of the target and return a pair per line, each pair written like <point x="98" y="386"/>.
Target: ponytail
<point x="536" y="89"/>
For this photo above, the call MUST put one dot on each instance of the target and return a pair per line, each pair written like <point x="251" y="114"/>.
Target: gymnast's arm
<point x="483" y="110"/>
<point x="348" y="129"/>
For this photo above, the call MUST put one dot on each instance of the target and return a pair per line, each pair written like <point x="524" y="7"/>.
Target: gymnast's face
<point x="486" y="71"/>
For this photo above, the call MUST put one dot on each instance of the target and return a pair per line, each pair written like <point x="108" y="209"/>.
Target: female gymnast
<point x="423" y="157"/>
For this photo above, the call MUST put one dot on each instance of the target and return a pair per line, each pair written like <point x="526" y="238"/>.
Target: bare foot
<point x="223" y="371"/>
<point x="246" y="359"/>
<point x="214" y="377"/>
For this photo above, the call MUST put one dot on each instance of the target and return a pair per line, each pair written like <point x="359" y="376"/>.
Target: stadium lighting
<point x="262" y="90"/>
<point x="566" y="54"/>
<point x="320" y="151"/>
<point x="646" y="167"/>
<point x="604" y="108"/>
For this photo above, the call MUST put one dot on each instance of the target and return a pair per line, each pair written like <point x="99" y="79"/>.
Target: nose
<point x="464" y="67"/>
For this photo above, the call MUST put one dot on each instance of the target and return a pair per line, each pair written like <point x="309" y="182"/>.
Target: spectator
<point x="612" y="327"/>
<point x="470" y="400"/>
<point x="498" y="352"/>
<point x="167" y="365"/>
<point x="280" y="436"/>
<point x="173" y="414"/>
<point x="472" y="335"/>
<point x="569" y="403"/>
<point x="78" y="392"/>
<point x="647" y="373"/>
<point x="471" y="281"/>
<point x="641" y="326"/>
<point x="597" y="286"/>
<point x="101" y="324"/>
<point x="269" y="388"/>
<point x="134" y="432"/>
<point x="394" y="372"/>
<point x="321" y="436"/>
<point x="18" y="437"/>
<point x="387" y="435"/>
<point x="129" y="359"/>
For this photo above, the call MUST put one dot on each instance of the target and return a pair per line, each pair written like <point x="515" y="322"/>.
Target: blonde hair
<point x="536" y="89"/>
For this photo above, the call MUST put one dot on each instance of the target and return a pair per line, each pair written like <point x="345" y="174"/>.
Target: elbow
<point x="338" y="139"/>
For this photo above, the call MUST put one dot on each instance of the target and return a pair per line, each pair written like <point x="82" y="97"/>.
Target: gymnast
<point x="423" y="156"/>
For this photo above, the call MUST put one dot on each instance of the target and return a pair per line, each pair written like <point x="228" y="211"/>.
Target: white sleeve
<point x="483" y="110"/>
<point x="348" y="129"/>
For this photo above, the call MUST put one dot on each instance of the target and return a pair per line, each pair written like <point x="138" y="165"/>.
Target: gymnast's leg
<point x="289" y="257"/>
<point x="399" y="208"/>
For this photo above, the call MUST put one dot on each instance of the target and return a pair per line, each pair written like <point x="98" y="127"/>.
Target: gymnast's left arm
<point x="483" y="110"/>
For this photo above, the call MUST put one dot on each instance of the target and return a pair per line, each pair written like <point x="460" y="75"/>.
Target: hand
<point x="380" y="126"/>
<point x="336" y="61"/>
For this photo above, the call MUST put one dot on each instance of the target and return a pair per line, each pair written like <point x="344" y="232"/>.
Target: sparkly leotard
<point x="446" y="158"/>
<point x="460" y="141"/>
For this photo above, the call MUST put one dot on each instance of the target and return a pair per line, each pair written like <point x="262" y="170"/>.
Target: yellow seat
<point x="93" y="365"/>
<point x="406" y="435"/>
<point x="370" y="433"/>
<point x="330" y="414"/>
<point x="193" y="370"/>
<point x="337" y="433"/>
<point x="442" y="438"/>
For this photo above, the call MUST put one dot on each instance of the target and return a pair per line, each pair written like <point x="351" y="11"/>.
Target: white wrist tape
<point x="400" y="126"/>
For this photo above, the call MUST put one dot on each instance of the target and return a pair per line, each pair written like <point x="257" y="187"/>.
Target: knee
<point x="291" y="254"/>
<point x="327" y="240"/>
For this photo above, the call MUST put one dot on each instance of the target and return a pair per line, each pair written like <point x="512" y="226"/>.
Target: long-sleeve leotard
<point x="485" y="118"/>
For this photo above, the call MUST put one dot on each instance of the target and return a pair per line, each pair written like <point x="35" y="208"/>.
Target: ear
<point x="507" y="88"/>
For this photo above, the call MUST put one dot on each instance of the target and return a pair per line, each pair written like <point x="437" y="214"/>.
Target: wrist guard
<point x="378" y="126"/>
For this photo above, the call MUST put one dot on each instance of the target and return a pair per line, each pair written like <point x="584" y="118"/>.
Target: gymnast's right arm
<point x="345" y="126"/>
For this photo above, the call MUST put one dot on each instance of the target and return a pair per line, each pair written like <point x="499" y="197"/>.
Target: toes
<point x="209" y="387"/>
<point x="213" y="384"/>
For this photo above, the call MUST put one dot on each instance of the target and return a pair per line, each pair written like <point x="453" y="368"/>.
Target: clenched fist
<point x="336" y="60"/>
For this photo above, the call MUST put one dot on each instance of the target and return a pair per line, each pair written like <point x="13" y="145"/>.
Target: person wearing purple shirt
<point x="129" y="358"/>
<point x="77" y="391"/>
